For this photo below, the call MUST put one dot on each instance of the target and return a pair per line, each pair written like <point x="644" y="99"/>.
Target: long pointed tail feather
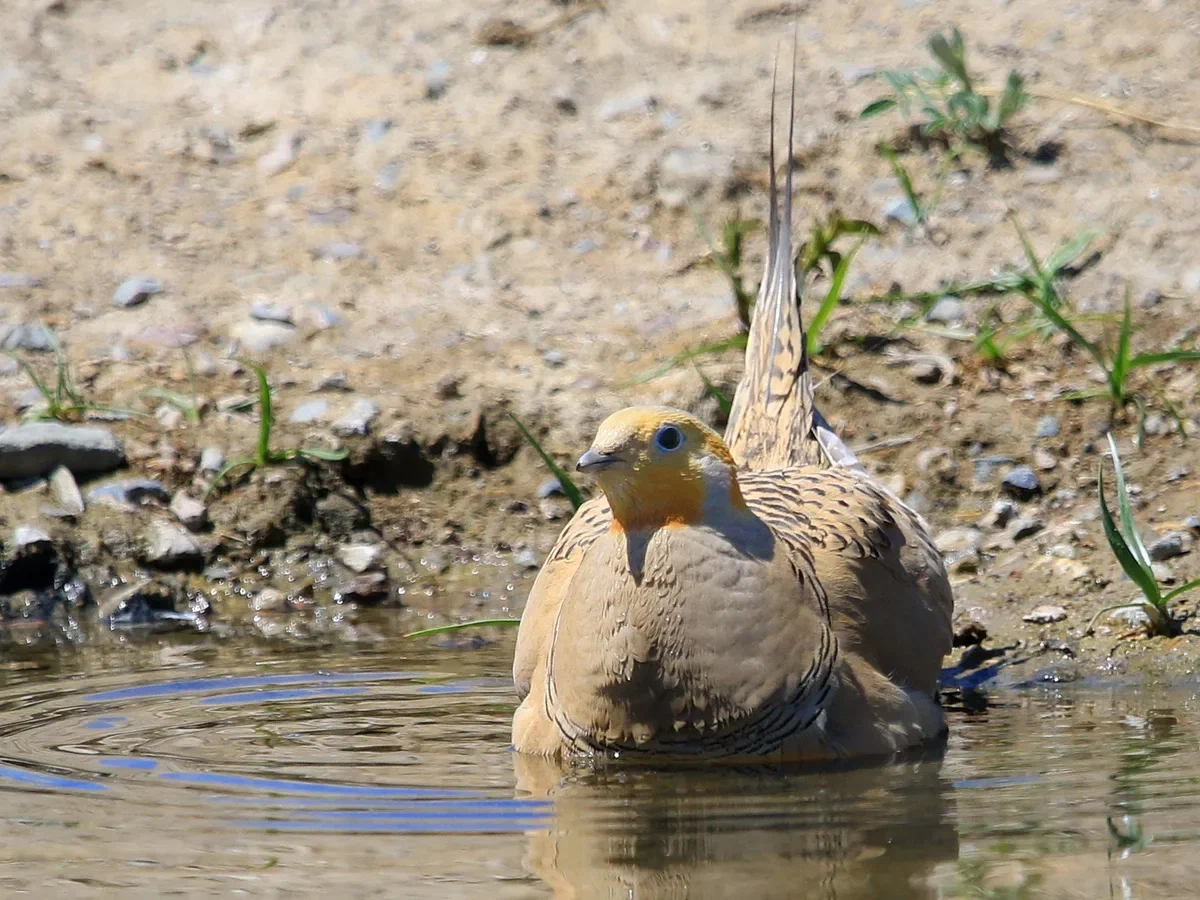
<point x="773" y="422"/>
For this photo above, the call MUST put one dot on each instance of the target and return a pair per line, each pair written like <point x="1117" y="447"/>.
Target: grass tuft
<point x="568" y="486"/>
<point x="264" y="454"/>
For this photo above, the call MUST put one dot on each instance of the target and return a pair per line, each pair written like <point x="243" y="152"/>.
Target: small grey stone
<point x="1023" y="527"/>
<point x="376" y="129"/>
<point x="334" y="382"/>
<point x="449" y="387"/>
<point x="925" y="372"/>
<point x="130" y="492"/>
<point x="1063" y="551"/>
<point x="1157" y="424"/>
<point x="135" y="291"/>
<point x="1162" y="573"/>
<point x="271" y="312"/>
<point x="1002" y="512"/>
<point x="360" y="557"/>
<point x="170" y="547"/>
<point x="985" y="466"/>
<point x="1168" y="546"/>
<point x="388" y="177"/>
<point x="1044" y="459"/>
<point x="262" y="337"/>
<point x="211" y="459"/>
<point x="549" y="488"/>
<point x="39" y="448"/>
<point x="357" y="419"/>
<point x="66" y="492"/>
<point x="1021" y="483"/>
<point x="957" y="540"/>
<point x="554" y="358"/>
<point x="638" y="101"/>
<point x="964" y="562"/>
<point x="437" y="80"/>
<point x="32" y="336"/>
<point x="1047" y="427"/>
<point x="28" y="536"/>
<point x="271" y="600"/>
<point x="1192" y="522"/>
<point x="19" y="280"/>
<point x="526" y="559"/>
<point x="189" y="511"/>
<point x="584" y="246"/>
<point x="337" y="250"/>
<point x="898" y="209"/>
<point x="322" y="317"/>
<point x="309" y="411"/>
<point x="947" y="310"/>
<point x="1044" y="615"/>
<point x="280" y="157"/>
<point x="1130" y="615"/>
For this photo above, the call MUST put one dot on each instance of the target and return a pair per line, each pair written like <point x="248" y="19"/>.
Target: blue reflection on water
<point x="287" y="694"/>
<point x="40" y="779"/>
<point x="201" y="685"/>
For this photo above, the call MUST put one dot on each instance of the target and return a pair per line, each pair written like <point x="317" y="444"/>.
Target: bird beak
<point x="593" y="461"/>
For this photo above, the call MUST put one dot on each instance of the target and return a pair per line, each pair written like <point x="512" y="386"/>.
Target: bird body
<point x="756" y="599"/>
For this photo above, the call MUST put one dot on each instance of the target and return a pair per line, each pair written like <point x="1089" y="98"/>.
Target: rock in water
<point x="170" y="547"/>
<point x="39" y="448"/>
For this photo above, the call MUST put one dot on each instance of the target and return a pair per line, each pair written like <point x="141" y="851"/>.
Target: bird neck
<point x="708" y="491"/>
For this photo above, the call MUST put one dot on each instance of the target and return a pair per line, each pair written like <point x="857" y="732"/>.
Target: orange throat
<point x="649" y="504"/>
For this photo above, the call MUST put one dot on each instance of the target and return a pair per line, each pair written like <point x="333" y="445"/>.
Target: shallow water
<point x="201" y="770"/>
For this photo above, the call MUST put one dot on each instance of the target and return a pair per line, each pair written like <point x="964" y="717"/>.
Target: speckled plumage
<point x="763" y="599"/>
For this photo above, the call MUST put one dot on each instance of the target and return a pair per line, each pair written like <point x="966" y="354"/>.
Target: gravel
<point x="28" y="451"/>
<point x="135" y="291"/>
<point x="1021" y="483"/>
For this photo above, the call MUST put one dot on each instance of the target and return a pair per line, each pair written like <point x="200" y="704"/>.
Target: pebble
<point x="1044" y="460"/>
<point x="131" y="492"/>
<point x="189" y="511"/>
<point x="310" y="411"/>
<point x="925" y="372"/>
<point x="335" y="382"/>
<point x="1063" y="551"/>
<point x="1162" y="573"/>
<point x="956" y="540"/>
<point x="985" y="466"/>
<point x="1192" y="522"/>
<point x="388" y="177"/>
<point x="449" y="387"/>
<point x="554" y="358"/>
<point x="322" y="317"/>
<point x="32" y="336"/>
<point x="337" y="250"/>
<point x="170" y="547"/>
<point x="1046" y="427"/>
<point x="898" y="209"/>
<point x="135" y="291"/>
<point x="357" y="419"/>
<point x="526" y="559"/>
<point x="38" y="448"/>
<point x="1044" y="615"/>
<point x="212" y="459"/>
<point x="1021" y="483"/>
<point x="271" y="600"/>
<point x="266" y="311"/>
<point x="1130" y="615"/>
<point x="262" y="337"/>
<point x="182" y="331"/>
<point x="359" y="558"/>
<point x="687" y="173"/>
<point x="1168" y="546"/>
<point x="280" y="157"/>
<point x="549" y="488"/>
<point x="638" y="101"/>
<point x="19" y="280"/>
<point x="1023" y="527"/>
<point x="437" y="80"/>
<point x="1002" y="512"/>
<point x="66" y="492"/>
<point x="947" y="310"/>
<point x="1072" y="569"/>
<point x="28" y="536"/>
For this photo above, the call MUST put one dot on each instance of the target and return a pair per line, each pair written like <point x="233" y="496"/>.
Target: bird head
<point x="659" y="466"/>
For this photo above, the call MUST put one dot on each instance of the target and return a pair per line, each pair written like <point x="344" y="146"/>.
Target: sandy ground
<point x="458" y="229"/>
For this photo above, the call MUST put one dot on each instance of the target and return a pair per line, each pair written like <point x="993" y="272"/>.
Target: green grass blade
<point x="1128" y="526"/>
<point x="478" y="623"/>
<point x="1069" y="252"/>
<point x="266" y="415"/>
<point x="1183" y="588"/>
<point x="832" y="297"/>
<point x="877" y="107"/>
<point x="906" y="185"/>
<point x="1120" y="363"/>
<point x="1167" y="356"/>
<point x="568" y="486"/>
<point x="322" y="454"/>
<point x="723" y="401"/>
<point x="737" y="342"/>
<point x="1143" y="578"/>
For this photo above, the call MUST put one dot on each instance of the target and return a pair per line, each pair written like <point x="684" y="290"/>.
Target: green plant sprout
<point x="460" y="626"/>
<point x="191" y="406"/>
<point x="264" y="454"/>
<point x="63" y="399"/>
<point x="954" y="109"/>
<point x="1127" y="546"/>
<point x="568" y="486"/>
<point x="728" y="260"/>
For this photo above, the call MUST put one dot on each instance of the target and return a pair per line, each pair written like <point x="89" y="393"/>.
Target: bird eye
<point x="668" y="438"/>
